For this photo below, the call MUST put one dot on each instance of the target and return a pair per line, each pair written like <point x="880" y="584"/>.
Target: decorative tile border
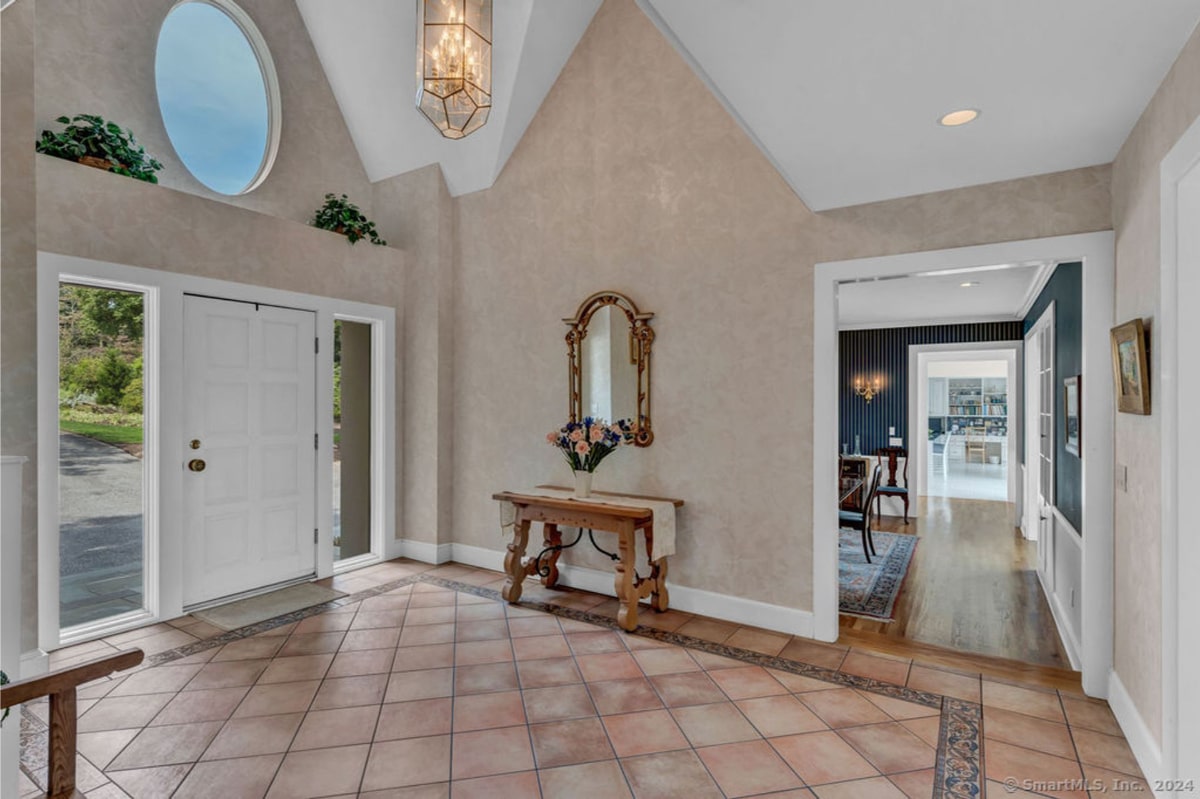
<point x="958" y="772"/>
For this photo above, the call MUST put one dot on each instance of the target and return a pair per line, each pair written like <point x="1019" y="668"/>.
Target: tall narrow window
<point x="101" y="477"/>
<point x="351" y="439"/>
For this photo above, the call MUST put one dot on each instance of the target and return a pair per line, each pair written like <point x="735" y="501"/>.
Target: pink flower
<point x="577" y="435"/>
<point x="597" y="433"/>
<point x="582" y="448"/>
<point x="552" y="438"/>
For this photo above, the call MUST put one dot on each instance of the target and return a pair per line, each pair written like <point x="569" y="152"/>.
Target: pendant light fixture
<point x="454" y="47"/>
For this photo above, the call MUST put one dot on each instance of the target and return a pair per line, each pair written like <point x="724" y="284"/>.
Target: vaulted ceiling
<point x="369" y="51"/>
<point x="842" y="97"/>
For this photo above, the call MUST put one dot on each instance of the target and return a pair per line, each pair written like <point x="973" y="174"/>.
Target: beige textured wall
<point x="98" y="57"/>
<point x="1137" y="644"/>
<point x="416" y="213"/>
<point x="632" y="177"/>
<point x="18" y="280"/>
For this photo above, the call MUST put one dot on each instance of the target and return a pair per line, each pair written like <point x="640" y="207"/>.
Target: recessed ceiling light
<point x="959" y="117"/>
<point x="969" y="284"/>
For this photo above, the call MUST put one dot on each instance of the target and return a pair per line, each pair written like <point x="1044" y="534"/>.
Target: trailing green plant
<point x="342" y="216"/>
<point x="90" y="136"/>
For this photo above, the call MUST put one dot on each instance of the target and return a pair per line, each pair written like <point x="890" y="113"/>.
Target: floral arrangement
<point x="584" y="444"/>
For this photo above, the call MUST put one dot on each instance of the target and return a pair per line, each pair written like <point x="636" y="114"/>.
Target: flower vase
<point x="583" y="484"/>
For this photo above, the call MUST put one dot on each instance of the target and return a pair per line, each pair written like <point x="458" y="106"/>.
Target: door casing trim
<point x="1097" y="253"/>
<point x="166" y="397"/>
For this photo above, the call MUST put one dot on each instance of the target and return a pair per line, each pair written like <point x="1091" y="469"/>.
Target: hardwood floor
<point x="972" y="587"/>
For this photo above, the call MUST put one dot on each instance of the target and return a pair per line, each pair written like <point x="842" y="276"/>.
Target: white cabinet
<point x="939" y="397"/>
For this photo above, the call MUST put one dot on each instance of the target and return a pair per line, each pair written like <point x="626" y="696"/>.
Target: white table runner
<point x="663" y="514"/>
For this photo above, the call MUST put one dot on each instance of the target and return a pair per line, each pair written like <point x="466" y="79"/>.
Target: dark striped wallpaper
<point x="883" y="354"/>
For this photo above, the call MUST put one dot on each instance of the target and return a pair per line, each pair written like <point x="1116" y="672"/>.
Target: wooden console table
<point x="624" y="520"/>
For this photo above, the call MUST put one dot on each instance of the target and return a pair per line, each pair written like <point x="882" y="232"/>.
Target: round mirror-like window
<point x="218" y="94"/>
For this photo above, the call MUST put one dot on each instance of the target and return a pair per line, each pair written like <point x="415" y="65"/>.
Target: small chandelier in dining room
<point x="454" y="46"/>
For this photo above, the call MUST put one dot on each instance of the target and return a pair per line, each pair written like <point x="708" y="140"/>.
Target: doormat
<point x="870" y="589"/>
<point x="267" y="606"/>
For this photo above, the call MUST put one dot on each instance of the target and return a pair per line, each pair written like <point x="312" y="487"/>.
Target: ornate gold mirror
<point x="608" y="362"/>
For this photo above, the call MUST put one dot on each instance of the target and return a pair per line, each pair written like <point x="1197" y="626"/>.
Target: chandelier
<point x="454" y="44"/>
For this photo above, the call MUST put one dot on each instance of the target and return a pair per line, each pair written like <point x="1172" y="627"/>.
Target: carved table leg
<point x="658" y="573"/>
<point x="626" y="574"/>
<point x="551" y="537"/>
<point x="512" y="561"/>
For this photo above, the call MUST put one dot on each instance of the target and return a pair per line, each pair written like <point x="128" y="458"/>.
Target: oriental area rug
<point x="869" y="590"/>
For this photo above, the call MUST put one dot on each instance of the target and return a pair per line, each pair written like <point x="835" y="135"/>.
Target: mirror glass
<point x="609" y="367"/>
<point x="608" y="363"/>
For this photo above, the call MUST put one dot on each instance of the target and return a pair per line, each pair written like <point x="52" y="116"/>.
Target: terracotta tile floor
<point x="423" y="683"/>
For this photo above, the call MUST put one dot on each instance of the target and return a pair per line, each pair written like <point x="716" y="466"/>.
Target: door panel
<point x="250" y="400"/>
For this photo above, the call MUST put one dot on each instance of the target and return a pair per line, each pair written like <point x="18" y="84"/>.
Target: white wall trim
<point x="1141" y="740"/>
<point x="1179" y="288"/>
<point x="1062" y="621"/>
<point x="1044" y="273"/>
<point x="1096" y="252"/>
<point x="426" y="552"/>
<point x="165" y="291"/>
<point x="1032" y="428"/>
<point x="692" y="600"/>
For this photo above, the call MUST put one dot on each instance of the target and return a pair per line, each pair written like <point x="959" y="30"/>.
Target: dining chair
<point x="861" y="519"/>
<point x="976" y="443"/>
<point x="891" y="488"/>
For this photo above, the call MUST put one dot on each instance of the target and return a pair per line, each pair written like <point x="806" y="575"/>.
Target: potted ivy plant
<point x="342" y="216"/>
<point x="96" y="142"/>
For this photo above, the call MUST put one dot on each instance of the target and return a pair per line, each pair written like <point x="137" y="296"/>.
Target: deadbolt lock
<point x="196" y="465"/>
<point x="194" y="443"/>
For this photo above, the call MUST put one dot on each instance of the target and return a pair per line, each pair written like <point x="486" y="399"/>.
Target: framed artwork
<point x="1129" y="368"/>
<point x="1071" y="400"/>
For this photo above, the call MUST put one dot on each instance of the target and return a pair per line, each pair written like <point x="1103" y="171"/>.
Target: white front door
<point x="250" y="427"/>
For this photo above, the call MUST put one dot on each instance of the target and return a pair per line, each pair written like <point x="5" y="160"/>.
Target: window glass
<point x="215" y="95"/>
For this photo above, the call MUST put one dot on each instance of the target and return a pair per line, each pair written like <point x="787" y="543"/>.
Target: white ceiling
<point x="843" y="97"/>
<point x="1003" y="293"/>
<point x="368" y="50"/>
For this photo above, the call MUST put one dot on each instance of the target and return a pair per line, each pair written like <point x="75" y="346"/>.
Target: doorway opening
<point x="1085" y="259"/>
<point x="967" y="423"/>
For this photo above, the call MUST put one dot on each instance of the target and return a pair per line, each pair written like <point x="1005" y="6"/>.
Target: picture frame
<point x="1131" y="377"/>
<point x="1074" y="427"/>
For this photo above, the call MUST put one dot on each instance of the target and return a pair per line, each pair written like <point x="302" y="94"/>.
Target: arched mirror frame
<point x="643" y="337"/>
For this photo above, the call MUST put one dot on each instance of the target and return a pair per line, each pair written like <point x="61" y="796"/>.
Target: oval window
<point x="218" y="94"/>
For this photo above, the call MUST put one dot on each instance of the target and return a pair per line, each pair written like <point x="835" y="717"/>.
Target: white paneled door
<point x="249" y="447"/>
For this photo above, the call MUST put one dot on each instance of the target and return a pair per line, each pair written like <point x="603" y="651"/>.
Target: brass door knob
<point x="196" y="465"/>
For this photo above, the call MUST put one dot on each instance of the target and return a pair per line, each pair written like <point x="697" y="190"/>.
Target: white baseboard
<point x="1062" y="623"/>
<point x="479" y="557"/>
<point x="692" y="600"/>
<point x="1141" y="739"/>
<point x="424" y="551"/>
<point x="34" y="663"/>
